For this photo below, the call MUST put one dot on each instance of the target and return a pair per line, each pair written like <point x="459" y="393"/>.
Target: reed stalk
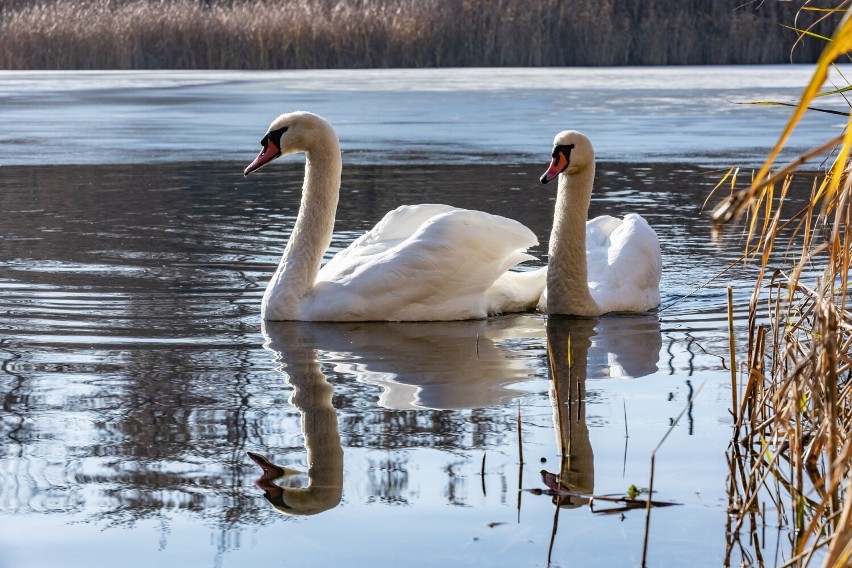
<point x="300" y="34"/>
<point x="792" y="441"/>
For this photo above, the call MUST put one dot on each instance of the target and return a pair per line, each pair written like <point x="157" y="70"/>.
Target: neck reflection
<point x="311" y="396"/>
<point x="448" y="365"/>
<point x="582" y="348"/>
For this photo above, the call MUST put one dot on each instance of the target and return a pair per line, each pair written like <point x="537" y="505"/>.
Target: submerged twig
<point x="520" y="437"/>
<point x="651" y="482"/>
<point x="482" y="473"/>
<point x="629" y="502"/>
<point x="733" y="354"/>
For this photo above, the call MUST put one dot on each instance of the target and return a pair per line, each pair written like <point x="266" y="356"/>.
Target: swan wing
<point x="394" y="228"/>
<point x="624" y="263"/>
<point x="427" y="263"/>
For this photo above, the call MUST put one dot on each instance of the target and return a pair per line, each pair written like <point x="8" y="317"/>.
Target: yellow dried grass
<point x="294" y="34"/>
<point x="793" y="438"/>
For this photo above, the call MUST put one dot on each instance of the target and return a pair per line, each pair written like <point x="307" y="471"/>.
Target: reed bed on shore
<point x="298" y="34"/>
<point x="791" y="451"/>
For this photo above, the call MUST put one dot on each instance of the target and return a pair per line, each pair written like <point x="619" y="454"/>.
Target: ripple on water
<point x="136" y="375"/>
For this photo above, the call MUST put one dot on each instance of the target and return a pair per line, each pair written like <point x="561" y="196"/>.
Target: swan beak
<point x="557" y="166"/>
<point x="268" y="153"/>
<point x="271" y="492"/>
<point x="270" y="470"/>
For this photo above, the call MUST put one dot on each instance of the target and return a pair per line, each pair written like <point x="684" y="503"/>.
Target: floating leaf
<point x="633" y="492"/>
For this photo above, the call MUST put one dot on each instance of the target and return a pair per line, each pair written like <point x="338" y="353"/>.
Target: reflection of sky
<point x="436" y="495"/>
<point x="433" y="115"/>
<point x="436" y="532"/>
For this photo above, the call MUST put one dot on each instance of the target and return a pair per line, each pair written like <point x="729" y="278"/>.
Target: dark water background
<point x="136" y="373"/>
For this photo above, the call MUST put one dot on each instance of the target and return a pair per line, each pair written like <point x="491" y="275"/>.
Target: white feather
<point x="603" y="265"/>
<point x="420" y="262"/>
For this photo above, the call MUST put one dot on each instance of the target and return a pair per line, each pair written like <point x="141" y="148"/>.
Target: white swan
<point x="603" y="265"/>
<point x="422" y="262"/>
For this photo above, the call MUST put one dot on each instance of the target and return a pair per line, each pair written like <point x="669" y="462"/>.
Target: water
<point x="396" y="115"/>
<point x="137" y="372"/>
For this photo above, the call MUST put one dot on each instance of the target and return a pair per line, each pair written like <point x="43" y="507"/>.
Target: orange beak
<point x="268" y="153"/>
<point x="557" y="166"/>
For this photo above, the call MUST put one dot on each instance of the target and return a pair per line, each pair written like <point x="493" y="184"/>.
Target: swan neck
<point x="314" y="225"/>
<point x="567" y="273"/>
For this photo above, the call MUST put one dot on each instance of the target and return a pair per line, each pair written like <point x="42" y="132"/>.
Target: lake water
<point x="137" y="373"/>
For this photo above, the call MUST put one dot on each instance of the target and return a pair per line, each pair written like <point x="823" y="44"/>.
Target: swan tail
<point x="516" y="291"/>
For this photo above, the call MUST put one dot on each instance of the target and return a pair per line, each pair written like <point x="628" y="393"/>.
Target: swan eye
<point x="274" y="136"/>
<point x="564" y="149"/>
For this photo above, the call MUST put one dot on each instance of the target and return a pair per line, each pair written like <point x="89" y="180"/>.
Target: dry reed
<point x="789" y="460"/>
<point x="294" y="34"/>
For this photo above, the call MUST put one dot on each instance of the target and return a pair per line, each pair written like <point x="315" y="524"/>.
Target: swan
<point x="603" y="265"/>
<point x="419" y="263"/>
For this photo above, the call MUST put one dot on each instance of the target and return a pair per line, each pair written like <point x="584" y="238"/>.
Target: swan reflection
<point x="615" y="345"/>
<point x="446" y="365"/>
<point x="438" y="365"/>
<point x="423" y="365"/>
<point x="311" y="396"/>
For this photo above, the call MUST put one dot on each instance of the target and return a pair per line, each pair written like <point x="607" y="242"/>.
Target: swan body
<point x="602" y="265"/>
<point x="419" y="263"/>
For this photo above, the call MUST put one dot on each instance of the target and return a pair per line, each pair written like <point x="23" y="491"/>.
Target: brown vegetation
<point x="791" y="452"/>
<point x="298" y="34"/>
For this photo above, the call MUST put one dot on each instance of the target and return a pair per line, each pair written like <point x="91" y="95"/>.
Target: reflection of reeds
<point x="792" y="446"/>
<point x="292" y="34"/>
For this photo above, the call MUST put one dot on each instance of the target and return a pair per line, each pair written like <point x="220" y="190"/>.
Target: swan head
<point x="295" y="500"/>
<point x="572" y="153"/>
<point x="293" y="133"/>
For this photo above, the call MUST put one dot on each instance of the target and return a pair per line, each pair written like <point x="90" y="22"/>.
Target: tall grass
<point x="293" y="34"/>
<point x="792" y="447"/>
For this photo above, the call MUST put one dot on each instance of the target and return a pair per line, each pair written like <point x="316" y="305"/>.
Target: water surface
<point x="137" y="373"/>
<point x="632" y="114"/>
